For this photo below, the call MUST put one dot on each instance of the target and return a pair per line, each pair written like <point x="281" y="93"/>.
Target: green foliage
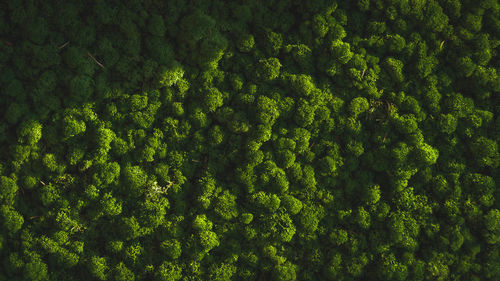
<point x="249" y="140"/>
<point x="98" y="267"/>
<point x="358" y="105"/>
<point x="266" y="202"/>
<point x="208" y="240"/>
<point x="447" y="123"/>
<point x="122" y="273"/>
<point x="134" y="179"/>
<point x="12" y="221"/>
<point x="267" y="110"/>
<point x="201" y="223"/>
<point x="212" y="100"/>
<point x="168" y="272"/>
<point x="425" y="154"/>
<point x="30" y="132"/>
<point x="110" y="206"/>
<point x="284" y="272"/>
<point x="268" y="69"/>
<point x="14" y="112"/>
<point x="81" y="87"/>
<point x="246" y="218"/>
<point x="8" y="189"/>
<point x="72" y="126"/>
<point x="225" y="206"/>
<point x="395" y="69"/>
<point x="485" y="152"/>
<point x="245" y="43"/>
<point x="156" y="25"/>
<point x="304" y="114"/>
<point x="302" y="84"/>
<point x="170" y="75"/>
<point x="341" y="51"/>
<point x="292" y="204"/>
<point x="172" y="248"/>
<point x="36" y="270"/>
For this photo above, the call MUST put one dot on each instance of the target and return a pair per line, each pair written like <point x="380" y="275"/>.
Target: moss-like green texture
<point x="249" y="140"/>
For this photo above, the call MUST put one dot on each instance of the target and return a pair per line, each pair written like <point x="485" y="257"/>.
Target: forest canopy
<point x="250" y="140"/>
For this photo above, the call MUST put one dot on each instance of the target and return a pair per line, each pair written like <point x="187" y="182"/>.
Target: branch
<point x="63" y="45"/>
<point x="94" y="59"/>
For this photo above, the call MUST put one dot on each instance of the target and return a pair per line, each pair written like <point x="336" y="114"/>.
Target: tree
<point x="129" y="228"/>
<point x="195" y="27"/>
<point x="486" y="152"/>
<point x="152" y="212"/>
<point x="35" y="270"/>
<point x="284" y="272"/>
<point x="114" y="246"/>
<point x="110" y="206"/>
<point x="272" y="42"/>
<point x="168" y="272"/>
<point x="13" y="264"/>
<point x="425" y="154"/>
<point x="341" y="51"/>
<point x="363" y="218"/>
<point x="266" y="202"/>
<point x="246" y="218"/>
<point x="107" y="173"/>
<point x="302" y="84"/>
<point x="172" y="248"/>
<point x="285" y="228"/>
<point x="211" y="51"/>
<point x="268" y="69"/>
<point x="202" y="223"/>
<point x="492" y="222"/>
<point x="20" y="155"/>
<point x="447" y="123"/>
<point x="208" y="240"/>
<point x="30" y="132"/>
<point x="310" y="217"/>
<point x="302" y="55"/>
<point x="72" y="126"/>
<point x="134" y="179"/>
<point x="292" y="204"/>
<point x="81" y="87"/>
<point x="170" y="74"/>
<point x="405" y="124"/>
<point x="15" y="111"/>
<point x="395" y="43"/>
<point x="320" y="25"/>
<point x="392" y="269"/>
<point x="8" y="189"/>
<point x="212" y="99"/>
<point x="334" y="267"/>
<point x="266" y="110"/>
<point x="225" y="206"/>
<point x="304" y="113"/>
<point x="371" y="195"/>
<point x="395" y="69"/>
<point x="12" y="220"/>
<point x="245" y="43"/>
<point x="156" y="25"/>
<point x="133" y="253"/>
<point x="122" y="273"/>
<point x="47" y="82"/>
<point x="222" y="272"/>
<point x="98" y="267"/>
<point x="358" y="105"/>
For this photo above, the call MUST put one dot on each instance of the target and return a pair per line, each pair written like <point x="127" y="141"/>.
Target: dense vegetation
<point x="249" y="140"/>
